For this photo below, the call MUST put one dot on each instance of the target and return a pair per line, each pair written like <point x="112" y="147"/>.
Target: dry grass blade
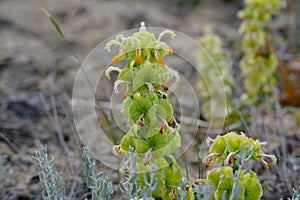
<point x="10" y="144"/>
<point x="103" y="119"/>
<point x="54" y="119"/>
<point x="54" y="22"/>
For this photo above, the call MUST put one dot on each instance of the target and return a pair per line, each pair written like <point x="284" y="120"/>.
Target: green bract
<point x="223" y="179"/>
<point x="153" y="133"/>
<point x="225" y="149"/>
<point x="231" y="181"/>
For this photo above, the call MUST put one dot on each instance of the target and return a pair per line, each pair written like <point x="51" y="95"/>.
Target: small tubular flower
<point x="138" y="57"/>
<point x="117" y="83"/>
<point x="112" y="43"/>
<point x="230" y="158"/>
<point x="171" y="33"/>
<point x="267" y="163"/>
<point x="117" y="151"/>
<point x="110" y="69"/>
<point x="116" y="59"/>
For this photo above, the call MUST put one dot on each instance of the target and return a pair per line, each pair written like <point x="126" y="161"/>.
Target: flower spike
<point x="148" y="110"/>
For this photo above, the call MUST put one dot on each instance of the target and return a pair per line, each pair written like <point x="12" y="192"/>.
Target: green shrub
<point x="49" y="178"/>
<point x="102" y="188"/>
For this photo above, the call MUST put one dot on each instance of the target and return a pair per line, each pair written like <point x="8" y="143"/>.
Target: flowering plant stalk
<point x="234" y="179"/>
<point x="259" y="61"/>
<point x="153" y="130"/>
<point x="214" y="107"/>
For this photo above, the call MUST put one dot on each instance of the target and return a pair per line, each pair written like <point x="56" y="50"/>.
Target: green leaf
<point x="253" y="189"/>
<point x="127" y="77"/>
<point x="147" y="131"/>
<point x="154" y="115"/>
<point x="164" y="145"/>
<point x="235" y="142"/>
<point x="126" y="69"/>
<point x="146" y="74"/>
<point x="95" y="196"/>
<point x="172" y="174"/>
<point x="138" y="108"/>
<point x="225" y="186"/>
<point x="167" y="108"/>
<point x="126" y="105"/>
<point x="160" y="111"/>
<point x="169" y="161"/>
<point x="213" y="176"/>
<point x="151" y="117"/>
<point x="140" y="145"/>
<point x="54" y="22"/>
<point x="219" y="145"/>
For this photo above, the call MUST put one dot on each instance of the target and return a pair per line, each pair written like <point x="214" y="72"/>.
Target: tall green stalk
<point x="153" y="129"/>
<point x="259" y="60"/>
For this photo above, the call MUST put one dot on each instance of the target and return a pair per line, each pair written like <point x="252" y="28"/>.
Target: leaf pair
<point x="222" y="179"/>
<point x="160" y="144"/>
<point x="227" y="147"/>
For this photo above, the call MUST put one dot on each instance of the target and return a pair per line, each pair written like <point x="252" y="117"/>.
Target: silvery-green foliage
<point x="203" y="191"/>
<point x="130" y="185"/>
<point x="49" y="178"/>
<point x="182" y="192"/>
<point x="245" y="155"/>
<point x="296" y="195"/>
<point x="151" y="184"/>
<point x="102" y="188"/>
